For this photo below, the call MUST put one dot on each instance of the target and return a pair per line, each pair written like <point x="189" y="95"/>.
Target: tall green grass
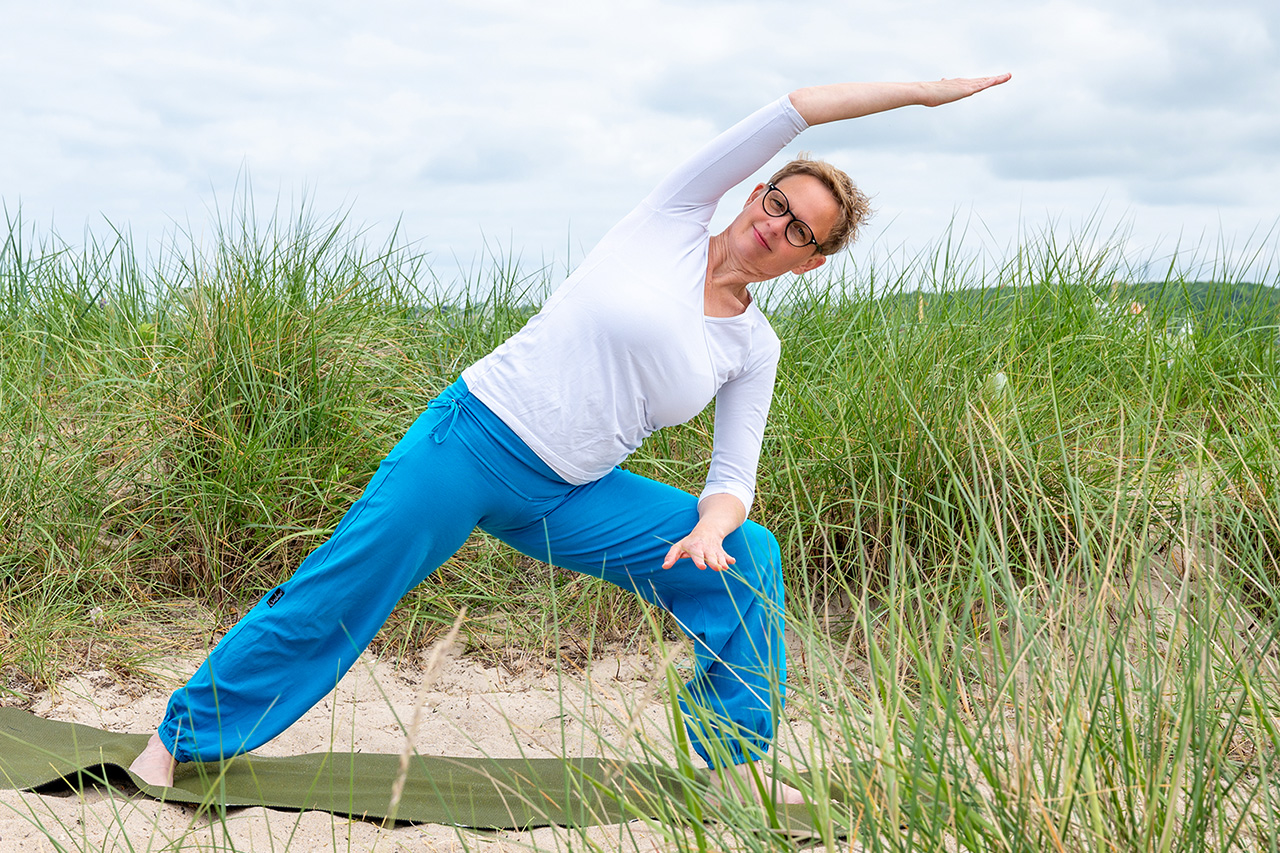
<point x="1031" y="537"/>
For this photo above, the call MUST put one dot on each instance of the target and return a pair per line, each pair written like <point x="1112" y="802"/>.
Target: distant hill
<point x="1238" y="304"/>
<point x="1243" y="304"/>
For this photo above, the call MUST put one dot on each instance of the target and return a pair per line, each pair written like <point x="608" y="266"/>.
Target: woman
<point x="656" y="322"/>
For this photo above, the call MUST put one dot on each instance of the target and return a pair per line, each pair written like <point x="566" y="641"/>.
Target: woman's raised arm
<point x="839" y="101"/>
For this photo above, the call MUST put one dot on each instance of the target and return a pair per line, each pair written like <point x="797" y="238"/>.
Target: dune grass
<point x="1030" y="533"/>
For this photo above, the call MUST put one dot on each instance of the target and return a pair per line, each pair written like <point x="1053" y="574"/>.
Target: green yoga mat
<point x="486" y="793"/>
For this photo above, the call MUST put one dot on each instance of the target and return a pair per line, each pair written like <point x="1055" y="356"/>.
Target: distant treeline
<point x="1238" y="305"/>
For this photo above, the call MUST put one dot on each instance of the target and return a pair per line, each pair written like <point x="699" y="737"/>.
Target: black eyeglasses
<point x="775" y="204"/>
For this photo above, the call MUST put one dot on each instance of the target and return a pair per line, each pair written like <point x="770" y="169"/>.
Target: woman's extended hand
<point x="947" y="90"/>
<point x="718" y="516"/>
<point x="840" y="101"/>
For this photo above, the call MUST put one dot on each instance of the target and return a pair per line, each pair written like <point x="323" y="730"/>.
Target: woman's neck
<point x="725" y="293"/>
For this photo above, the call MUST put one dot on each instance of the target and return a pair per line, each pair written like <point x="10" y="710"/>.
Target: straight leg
<point x="298" y="641"/>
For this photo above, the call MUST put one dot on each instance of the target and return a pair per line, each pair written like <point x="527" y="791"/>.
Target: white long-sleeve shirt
<point x="623" y="347"/>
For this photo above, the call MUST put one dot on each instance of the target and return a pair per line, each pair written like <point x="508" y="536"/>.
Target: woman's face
<point x="760" y="240"/>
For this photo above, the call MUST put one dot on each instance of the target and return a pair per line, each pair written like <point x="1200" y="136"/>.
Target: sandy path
<point x="471" y="710"/>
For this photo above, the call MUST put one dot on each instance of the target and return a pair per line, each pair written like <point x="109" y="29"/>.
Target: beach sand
<point x="471" y="708"/>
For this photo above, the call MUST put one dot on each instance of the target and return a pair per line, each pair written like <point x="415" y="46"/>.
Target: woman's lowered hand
<point x="718" y="516"/>
<point x="706" y="551"/>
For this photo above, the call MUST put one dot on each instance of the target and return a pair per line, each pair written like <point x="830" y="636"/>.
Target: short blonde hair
<point x="855" y="207"/>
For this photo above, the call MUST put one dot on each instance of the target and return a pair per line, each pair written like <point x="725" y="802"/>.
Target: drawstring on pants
<point x="454" y="407"/>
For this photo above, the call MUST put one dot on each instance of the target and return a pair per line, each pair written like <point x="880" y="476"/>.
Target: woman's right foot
<point x="155" y="765"/>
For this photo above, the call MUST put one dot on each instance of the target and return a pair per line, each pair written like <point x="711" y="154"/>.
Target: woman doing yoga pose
<point x="656" y="322"/>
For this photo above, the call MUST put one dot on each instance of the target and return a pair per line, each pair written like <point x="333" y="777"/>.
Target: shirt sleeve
<point x="742" y="408"/>
<point x="696" y="186"/>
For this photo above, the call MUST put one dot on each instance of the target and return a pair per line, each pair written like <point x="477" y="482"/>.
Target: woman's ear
<point x="755" y="194"/>
<point x="810" y="265"/>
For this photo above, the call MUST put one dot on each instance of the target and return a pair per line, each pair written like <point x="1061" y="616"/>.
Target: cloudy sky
<point x="526" y="129"/>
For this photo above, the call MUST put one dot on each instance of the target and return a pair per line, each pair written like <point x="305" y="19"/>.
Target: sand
<point x="471" y="708"/>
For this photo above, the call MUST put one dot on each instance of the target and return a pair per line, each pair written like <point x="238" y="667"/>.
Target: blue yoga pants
<point x="460" y="467"/>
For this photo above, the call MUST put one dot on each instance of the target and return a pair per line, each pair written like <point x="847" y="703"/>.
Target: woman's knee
<point x="758" y="558"/>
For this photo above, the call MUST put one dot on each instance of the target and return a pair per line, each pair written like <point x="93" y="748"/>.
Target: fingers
<point x="947" y="90"/>
<point x="987" y="82"/>
<point x="994" y="80"/>
<point x="978" y="83"/>
<point x="717" y="560"/>
<point x="673" y="554"/>
<point x="703" y="556"/>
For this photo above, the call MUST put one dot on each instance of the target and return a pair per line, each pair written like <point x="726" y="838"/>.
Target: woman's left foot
<point x="155" y="765"/>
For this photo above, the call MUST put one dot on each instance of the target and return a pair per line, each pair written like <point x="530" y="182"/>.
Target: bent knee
<point x="758" y="557"/>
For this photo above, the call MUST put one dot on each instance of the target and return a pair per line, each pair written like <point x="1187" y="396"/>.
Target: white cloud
<point x="542" y="124"/>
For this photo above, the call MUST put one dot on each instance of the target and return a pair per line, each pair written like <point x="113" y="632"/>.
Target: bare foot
<point x="743" y="781"/>
<point x="155" y="765"/>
